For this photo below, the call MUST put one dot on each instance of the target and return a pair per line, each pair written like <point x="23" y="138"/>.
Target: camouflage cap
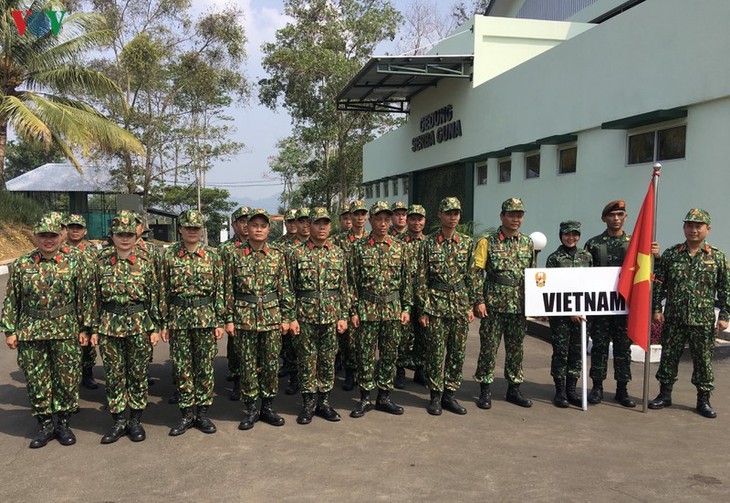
<point x="319" y="214"/>
<point x="124" y="222"/>
<point x="291" y="214"/>
<point x="569" y="226"/>
<point x="259" y="212"/>
<point x="58" y="216"/>
<point x="76" y="219"/>
<point x="450" y="203"/>
<point x="358" y="205"/>
<point x="48" y="223"/>
<point x="698" y="215"/>
<point x="191" y="218"/>
<point x="417" y="209"/>
<point x="513" y="204"/>
<point x="379" y="207"/>
<point x="398" y="205"/>
<point x="616" y="205"/>
<point x="302" y="213"/>
<point x="243" y="211"/>
<point x="345" y="210"/>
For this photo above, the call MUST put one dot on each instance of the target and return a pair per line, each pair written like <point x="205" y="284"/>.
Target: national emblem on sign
<point x="540" y="278"/>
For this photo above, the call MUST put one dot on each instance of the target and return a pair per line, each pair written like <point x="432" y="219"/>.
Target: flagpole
<point x="584" y="363"/>
<point x="647" y="353"/>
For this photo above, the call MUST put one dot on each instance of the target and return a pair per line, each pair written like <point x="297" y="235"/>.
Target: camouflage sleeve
<point x="660" y="288"/>
<point x="475" y="279"/>
<point x="723" y="289"/>
<point x="12" y="303"/>
<point x="228" y="294"/>
<point x="85" y="294"/>
<point x="164" y="302"/>
<point x="552" y="260"/>
<point x="422" y="300"/>
<point x="95" y="307"/>
<point x="287" y="299"/>
<point x="406" y="293"/>
<point x="219" y="291"/>
<point x="345" y="294"/>
<point x="153" y="296"/>
<point x="352" y="278"/>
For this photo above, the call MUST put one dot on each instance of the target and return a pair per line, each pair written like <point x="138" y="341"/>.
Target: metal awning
<point x="388" y="83"/>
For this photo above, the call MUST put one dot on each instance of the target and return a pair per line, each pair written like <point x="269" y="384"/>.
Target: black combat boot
<point x="400" y="378"/>
<point x="664" y="398"/>
<point x="202" y="421"/>
<point x="186" y="422"/>
<point x="46" y="432"/>
<point x="175" y="398"/>
<point x="449" y="403"/>
<point x="419" y="376"/>
<point x="87" y="379"/>
<point x="349" y="383"/>
<point x="363" y="406"/>
<point x="309" y="404"/>
<point x="622" y="395"/>
<point x="571" y="393"/>
<point x="596" y="395"/>
<point x="236" y="391"/>
<point x="249" y="414"/>
<point x="325" y="410"/>
<point x="134" y="428"/>
<point x="268" y="414"/>
<point x="514" y="395"/>
<point x="293" y="387"/>
<point x="434" y="406"/>
<point x="385" y="404"/>
<point x="561" y="399"/>
<point x="485" y="396"/>
<point x="703" y="405"/>
<point x="118" y="430"/>
<point x="63" y="432"/>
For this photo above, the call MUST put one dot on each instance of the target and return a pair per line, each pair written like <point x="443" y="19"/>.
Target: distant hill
<point x="270" y="204"/>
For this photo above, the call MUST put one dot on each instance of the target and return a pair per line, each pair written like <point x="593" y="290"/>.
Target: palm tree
<point x="42" y="80"/>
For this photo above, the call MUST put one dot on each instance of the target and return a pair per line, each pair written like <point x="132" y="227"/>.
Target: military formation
<point x="372" y="303"/>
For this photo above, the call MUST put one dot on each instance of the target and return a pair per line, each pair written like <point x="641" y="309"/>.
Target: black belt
<point x="445" y="287"/>
<point x="255" y="299"/>
<point x="316" y="294"/>
<point x="115" y="308"/>
<point x="48" y="314"/>
<point x="191" y="301"/>
<point x="504" y="280"/>
<point x="379" y="299"/>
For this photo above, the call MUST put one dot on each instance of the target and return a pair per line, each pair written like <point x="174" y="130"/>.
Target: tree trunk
<point x="3" y="143"/>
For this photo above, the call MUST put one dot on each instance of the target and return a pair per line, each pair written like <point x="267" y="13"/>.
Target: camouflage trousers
<point x="52" y="374"/>
<point x="259" y="362"/>
<point x="234" y="359"/>
<point x="701" y="341"/>
<point x="384" y="336"/>
<point x="88" y="357"/>
<point x="192" y="352"/>
<point x="491" y="330"/>
<point x="348" y="349"/>
<point x="316" y="349"/>
<point x="411" y="348"/>
<point x="566" y="359"/>
<point x="289" y="352"/>
<point x="603" y="331"/>
<point x="444" y="352"/>
<point x="126" y="361"/>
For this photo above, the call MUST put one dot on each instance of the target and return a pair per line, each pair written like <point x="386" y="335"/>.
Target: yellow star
<point x="643" y="262"/>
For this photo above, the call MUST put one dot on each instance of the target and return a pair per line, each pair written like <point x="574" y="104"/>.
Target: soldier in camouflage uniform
<point x="192" y="308"/>
<point x="566" y="360"/>
<point x="693" y="278"/>
<point x="448" y="291"/>
<point x="381" y="303"/>
<point x="259" y="309"/>
<point x="319" y="278"/>
<point x="126" y="325"/>
<point x="346" y="240"/>
<point x="46" y="316"/>
<point x="290" y="224"/>
<point x="608" y="249"/>
<point x="503" y="255"/>
<point x="345" y="218"/>
<point x="398" y="223"/>
<point x="411" y="348"/>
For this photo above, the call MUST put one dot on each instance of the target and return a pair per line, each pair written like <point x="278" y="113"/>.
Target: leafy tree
<point x="22" y="156"/>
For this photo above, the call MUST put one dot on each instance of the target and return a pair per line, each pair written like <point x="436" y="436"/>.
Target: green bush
<point x="17" y="209"/>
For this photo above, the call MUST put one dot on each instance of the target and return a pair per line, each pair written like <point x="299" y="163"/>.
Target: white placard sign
<point x="573" y="291"/>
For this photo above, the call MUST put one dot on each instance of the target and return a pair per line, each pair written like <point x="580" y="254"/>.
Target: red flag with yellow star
<point x="634" y="283"/>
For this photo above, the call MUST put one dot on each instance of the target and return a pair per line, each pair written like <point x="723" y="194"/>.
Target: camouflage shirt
<point x="563" y="257"/>
<point x="692" y="285"/>
<point x="319" y="270"/>
<point x="187" y="277"/>
<point x="381" y="281"/>
<point x="38" y="285"/>
<point x="608" y="251"/>
<point x="448" y="283"/>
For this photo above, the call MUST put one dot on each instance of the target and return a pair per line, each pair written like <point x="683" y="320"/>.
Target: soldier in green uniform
<point x="398" y="221"/>
<point x="608" y="249"/>
<point x="290" y="224"/>
<point x="259" y="309"/>
<point x="566" y="360"/>
<point x="192" y="307"/>
<point x="448" y="291"/>
<point x="319" y="278"/>
<point x="46" y="316"/>
<point x="126" y="325"/>
<point x="410" y="350"/>
<point x="346" y="240"/>
<point x="345" y="218"/>
<point x="693" y="278"/>
<point x="381" y="303"/>
<point x="503" y="255"/>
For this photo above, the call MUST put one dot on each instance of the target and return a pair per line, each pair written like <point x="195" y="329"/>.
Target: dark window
<point x="567" y="161"/>
<point x="395" y="187"/>
<point x="377" y="190"/>
<point x="641" y="147"/>
<point x="671" y="143"/>
<point x="369" y="191"/>
<point x="385" y="189"/>
<point x="481" y="173"/>
<point x="532" y="166"/>
<point x="405" y="186"/>
<point x="505" y="170"/>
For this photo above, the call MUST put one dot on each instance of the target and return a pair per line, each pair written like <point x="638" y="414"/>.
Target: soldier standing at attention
<point x="192" y="307"/>
<point x="259" y="309"/>
<point x="290" y="224"/>
<point x="46" y="316"/>
<point x="381" y="303"/>
<point x="319" y="279"/>
<point x="345" y="218"/>
<point x="398" y="223"/>
<point x="609" y="249"/>
<point x="126" y="325"/>
<point x="503" y="255"/>
<point x="566" y="360"/>
<point x="346" y="240"/>
<point x="690" y="276"/>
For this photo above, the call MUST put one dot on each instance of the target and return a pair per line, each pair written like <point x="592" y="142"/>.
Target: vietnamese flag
<point x="634" y="282"/>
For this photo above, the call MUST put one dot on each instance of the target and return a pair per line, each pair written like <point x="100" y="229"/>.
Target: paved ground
<point x="506" y="454"/>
